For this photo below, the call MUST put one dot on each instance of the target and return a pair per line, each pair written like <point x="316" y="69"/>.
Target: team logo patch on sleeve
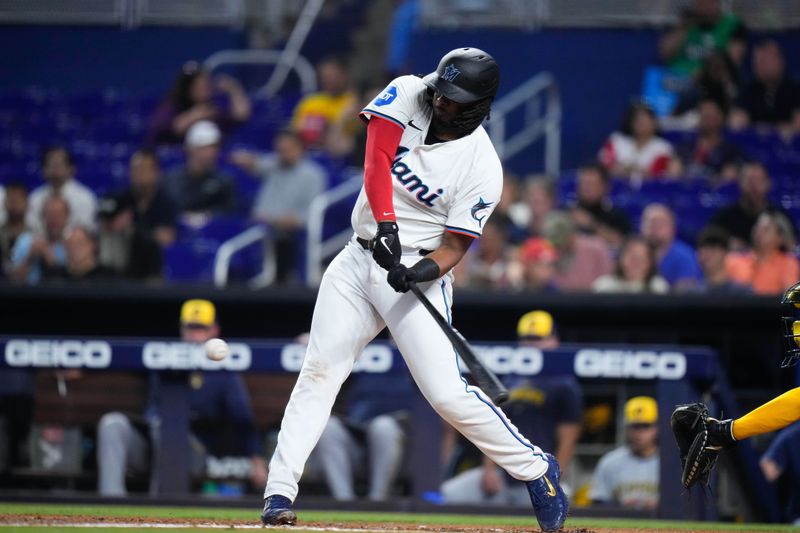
<point x="480" y="210"/>
<point x="387" y="96"/>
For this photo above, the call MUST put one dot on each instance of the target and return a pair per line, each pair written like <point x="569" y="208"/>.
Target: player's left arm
<point x="777" y="457"/>
<point x="568" y="423"/>
<point x="450" y="251"/>
<point x="567" y="434"/>
<point x="433" y="265"/>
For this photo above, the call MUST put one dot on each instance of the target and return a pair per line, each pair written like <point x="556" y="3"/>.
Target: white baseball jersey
<point x="450" y="186"/>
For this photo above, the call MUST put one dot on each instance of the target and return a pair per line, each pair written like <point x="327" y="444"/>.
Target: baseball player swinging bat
<point x="431" y="179"/>
<point x="485" y="378"/>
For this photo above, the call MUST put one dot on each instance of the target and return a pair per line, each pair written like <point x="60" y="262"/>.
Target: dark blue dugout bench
<point x="680" y="374"/>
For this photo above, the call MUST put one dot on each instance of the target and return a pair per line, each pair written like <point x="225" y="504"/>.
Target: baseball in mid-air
<point x="217" y="349"/>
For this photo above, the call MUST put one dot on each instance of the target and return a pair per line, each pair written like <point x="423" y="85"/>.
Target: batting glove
<point x="385" y="245"/>
<point x="400" y="276"/>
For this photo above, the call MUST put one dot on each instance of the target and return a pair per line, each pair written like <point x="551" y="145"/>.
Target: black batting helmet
<point x="465" y="75"/>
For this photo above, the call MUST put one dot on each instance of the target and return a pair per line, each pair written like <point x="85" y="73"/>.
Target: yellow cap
<point x="641" y="410"/>
<point x="597" y="417"/>
<point x="200" y="312"/>
<point x="535" y="324"/>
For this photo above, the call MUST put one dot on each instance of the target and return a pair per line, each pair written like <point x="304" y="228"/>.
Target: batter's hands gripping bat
<point x="485" y="378"/>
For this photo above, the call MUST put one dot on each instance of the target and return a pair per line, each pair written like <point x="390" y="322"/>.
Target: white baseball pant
<point x="354" y="304"/>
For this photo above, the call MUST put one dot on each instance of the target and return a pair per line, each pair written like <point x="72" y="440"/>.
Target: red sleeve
<point x="608" y="156"/>
<point x="383" y="138"/>
<point x="660" y="165"/>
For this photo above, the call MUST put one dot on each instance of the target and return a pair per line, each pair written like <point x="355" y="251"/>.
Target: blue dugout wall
<point x="674" y="374"/>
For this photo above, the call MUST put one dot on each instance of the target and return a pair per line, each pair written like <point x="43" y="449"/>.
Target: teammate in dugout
<point x="221" y="417"/>
<point x="700" y="437"/>
<point x="432" y="178"/>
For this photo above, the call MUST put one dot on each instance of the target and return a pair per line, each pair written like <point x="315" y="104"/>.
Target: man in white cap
<point x="201" y="187"/>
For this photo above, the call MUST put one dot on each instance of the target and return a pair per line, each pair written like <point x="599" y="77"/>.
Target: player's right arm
<point x="387" y="115"/>
<point x="383" y="138"/>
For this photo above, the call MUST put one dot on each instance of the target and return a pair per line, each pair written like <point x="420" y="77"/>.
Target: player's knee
<point x="384" y="424"/>
<point x="335" y="432"/>
<point x="386" y="427"/>
<point x="111" y="424"/>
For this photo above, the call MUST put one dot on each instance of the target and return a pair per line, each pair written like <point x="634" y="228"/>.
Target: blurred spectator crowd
<point x="702" y="199"/>
<point x="154" y="187"/>
<point x="109" y="187"/>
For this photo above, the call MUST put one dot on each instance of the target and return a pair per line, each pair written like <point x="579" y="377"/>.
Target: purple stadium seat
<point x="190" y="260"/>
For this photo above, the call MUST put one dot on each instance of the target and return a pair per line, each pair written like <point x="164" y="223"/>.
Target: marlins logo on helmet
<point x="451" y="73"/>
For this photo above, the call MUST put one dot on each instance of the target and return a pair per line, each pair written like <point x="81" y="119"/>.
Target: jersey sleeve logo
<point x="387" y="96"/>
<point x="450" y="73"/>
<point x="480" y="210"/>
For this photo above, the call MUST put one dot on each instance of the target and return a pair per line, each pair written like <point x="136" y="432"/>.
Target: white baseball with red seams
<point x="449" y="186"/>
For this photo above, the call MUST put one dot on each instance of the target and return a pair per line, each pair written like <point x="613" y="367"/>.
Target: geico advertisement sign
<point x="58" y="353"/>
<point x="186" y="356"/>
<point x="378" y="359"/>
<point x="522" y="360"/>
<point x="637" y="364"/>
<point x="374" y="359"/>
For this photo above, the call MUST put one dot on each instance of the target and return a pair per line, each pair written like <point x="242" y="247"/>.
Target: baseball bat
<point x="485" y="378"/>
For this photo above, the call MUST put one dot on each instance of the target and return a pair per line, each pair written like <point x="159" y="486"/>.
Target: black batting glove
<point x="400" y="276"/>
<point x="385" y="245"/>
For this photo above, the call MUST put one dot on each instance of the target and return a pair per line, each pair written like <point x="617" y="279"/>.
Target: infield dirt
<point x="89" y="521"/>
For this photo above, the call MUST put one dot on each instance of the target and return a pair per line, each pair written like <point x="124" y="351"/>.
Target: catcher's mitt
<point x="700" y="439"/>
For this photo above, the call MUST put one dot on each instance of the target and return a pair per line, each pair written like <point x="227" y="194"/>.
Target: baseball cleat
<point x="549" y="501"/>
<point x="278" y="511"/>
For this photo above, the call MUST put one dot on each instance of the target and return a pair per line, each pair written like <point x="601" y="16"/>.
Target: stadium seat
<point x="103" y="128"/>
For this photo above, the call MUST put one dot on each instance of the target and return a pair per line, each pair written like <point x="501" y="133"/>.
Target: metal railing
<point x="528" y="98"/>
<point x="318" y="249"/>
<point x="285" y="61"/>
<point x="229" y="248"/>
<point x="305" y="71"/>
<point x="291" y="52"/>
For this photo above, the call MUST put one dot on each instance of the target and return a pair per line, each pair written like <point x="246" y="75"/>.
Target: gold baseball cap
<point x="198" y="312"/>
<point x="535" y="324"/>
<point x="641" y="410"/>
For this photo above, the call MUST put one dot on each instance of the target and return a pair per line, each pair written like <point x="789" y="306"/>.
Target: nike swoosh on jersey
<point x="411" y="123"/>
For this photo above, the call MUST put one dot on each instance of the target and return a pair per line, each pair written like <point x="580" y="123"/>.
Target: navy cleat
<point x="549" y="501"/>
<point x="278" y="511"/>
